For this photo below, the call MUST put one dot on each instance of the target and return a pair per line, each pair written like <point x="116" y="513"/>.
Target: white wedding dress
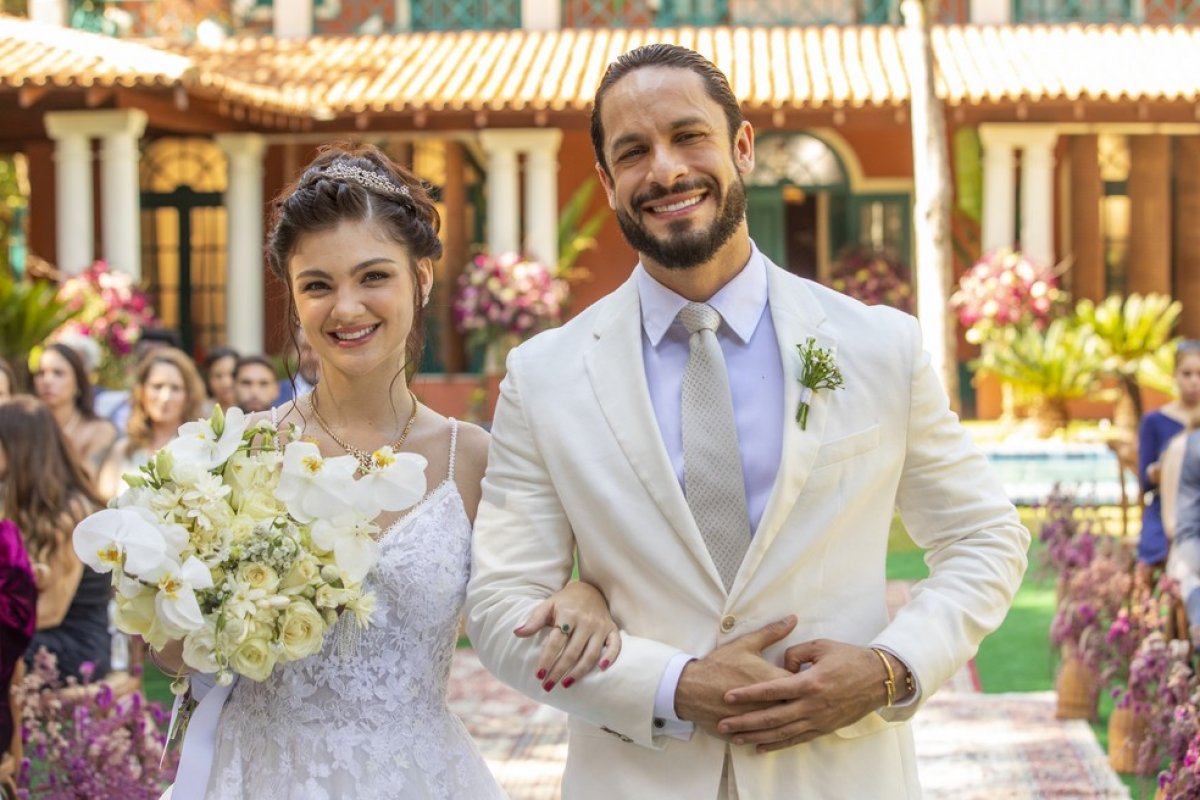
<point x="372" y="723"/>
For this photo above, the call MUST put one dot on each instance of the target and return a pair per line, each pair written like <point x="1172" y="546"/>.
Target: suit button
<point x="728" y="622"/>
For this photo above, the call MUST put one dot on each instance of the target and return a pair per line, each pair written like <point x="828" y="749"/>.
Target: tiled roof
<point x="769" y="68"/>
<point x="981" y="64"/>
<point x="556" y="70"/>
<point x="37" y="55"/>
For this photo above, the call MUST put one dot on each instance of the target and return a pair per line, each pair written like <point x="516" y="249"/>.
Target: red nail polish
<point x="605" y="663"/>
<point x="548" y="685"/>
<point x="567" y="682"/>
<point x="541" y="674"/>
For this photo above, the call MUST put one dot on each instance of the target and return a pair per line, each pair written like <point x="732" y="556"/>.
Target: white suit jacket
<point x="577" y="464"/>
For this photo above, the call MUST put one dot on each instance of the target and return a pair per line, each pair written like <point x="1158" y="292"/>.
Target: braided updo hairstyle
<point x="358" y="184"/>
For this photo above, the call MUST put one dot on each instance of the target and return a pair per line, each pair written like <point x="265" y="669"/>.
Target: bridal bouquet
<point x="245" y="549"/>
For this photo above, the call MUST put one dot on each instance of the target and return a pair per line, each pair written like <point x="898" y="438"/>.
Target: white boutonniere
<point x="819" y="371"/>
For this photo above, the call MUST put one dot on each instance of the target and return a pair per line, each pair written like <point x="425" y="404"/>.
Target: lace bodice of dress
<point x="370" y="719"/>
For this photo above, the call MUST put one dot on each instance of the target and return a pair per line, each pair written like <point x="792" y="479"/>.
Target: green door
<point x="764" y="213"/>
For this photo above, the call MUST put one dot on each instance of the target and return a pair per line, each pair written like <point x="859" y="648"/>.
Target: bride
<point x="354" y="241"/>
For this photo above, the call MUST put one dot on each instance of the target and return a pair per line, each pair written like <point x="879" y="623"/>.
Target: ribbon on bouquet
<point x="200" y="739"/>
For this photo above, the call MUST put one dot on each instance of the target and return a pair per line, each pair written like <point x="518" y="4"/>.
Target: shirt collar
<point x="739" y="302"/>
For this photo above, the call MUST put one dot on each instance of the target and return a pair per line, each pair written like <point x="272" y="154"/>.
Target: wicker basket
<point x="1078" y="692"/>
<point x="1127" y="730"/>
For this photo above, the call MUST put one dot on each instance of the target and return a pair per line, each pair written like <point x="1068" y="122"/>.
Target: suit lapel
<point x="796" y="315"/>
<point x="618" y="376"/>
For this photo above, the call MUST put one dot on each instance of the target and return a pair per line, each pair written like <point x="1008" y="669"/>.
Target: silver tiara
<point x="366" y="179"/>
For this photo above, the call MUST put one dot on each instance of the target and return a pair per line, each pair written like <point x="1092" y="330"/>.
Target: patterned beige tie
<point x="712" y="465"/>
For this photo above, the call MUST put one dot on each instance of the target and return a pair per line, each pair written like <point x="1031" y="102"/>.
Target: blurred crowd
<point x="64" y="446"/>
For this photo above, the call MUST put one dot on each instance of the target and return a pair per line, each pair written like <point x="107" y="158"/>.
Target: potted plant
<point x="874" y="277"/>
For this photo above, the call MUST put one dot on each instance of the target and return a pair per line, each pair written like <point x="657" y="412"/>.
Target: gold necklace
<point x="365" y="459"/>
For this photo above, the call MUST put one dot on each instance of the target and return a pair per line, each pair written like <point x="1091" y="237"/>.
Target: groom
<point x="656" y="436"/>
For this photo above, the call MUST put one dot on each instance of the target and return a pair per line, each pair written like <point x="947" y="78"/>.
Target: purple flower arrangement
<point x="1067" y="534"/>
<point x="1003" y="289"/>
<point x="81" y="741"/>
<point x="507" y="296"/>
<point x="875" y="278"/>
<point x="112" y="311"/>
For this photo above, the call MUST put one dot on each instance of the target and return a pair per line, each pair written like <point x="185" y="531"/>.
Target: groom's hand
<point x="700" y="696"/>
<point x="841" y="684"/>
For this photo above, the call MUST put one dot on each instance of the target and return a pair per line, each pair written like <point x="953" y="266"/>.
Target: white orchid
<point x="209" y="443"/>
<point x="127" y="537"/>
<point x="350" y="540"/>
<point x="313" y="487"/>
<point x="395" y="482"/>
<point x="175" y="605"/>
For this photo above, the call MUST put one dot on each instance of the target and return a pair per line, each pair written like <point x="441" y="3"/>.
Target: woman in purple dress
<point x="18" y="612"/>
<point x="1156" y="431"/>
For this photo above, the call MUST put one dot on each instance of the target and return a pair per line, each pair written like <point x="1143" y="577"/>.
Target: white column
<point x="74" y="233"/>
<point x="503" y="208"/>
<point x="120" y="207"/>
<point x="292" y="19"/>
<point x="244" y="265"/>
<point x="51" y="12"/>
<point x="990" y="12"/>
<point x="1037" y="194"/>
<point x="539" y="15"/>
<point x="999" y="189"/>
<point x="541" y="195"/>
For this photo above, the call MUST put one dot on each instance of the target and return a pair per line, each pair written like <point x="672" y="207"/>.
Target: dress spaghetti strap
<point x="453" y="447"/>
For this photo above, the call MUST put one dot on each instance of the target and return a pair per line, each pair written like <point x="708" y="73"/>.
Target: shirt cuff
<point x="666" y="722"/>
<point x="908" y="701"/>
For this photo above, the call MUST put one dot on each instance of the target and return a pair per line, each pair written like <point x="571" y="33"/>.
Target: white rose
<point x="254" y="659"/>
<point x="302" y="630"/>
<point x="257" y="576"/>
<point x="199" y="648"/>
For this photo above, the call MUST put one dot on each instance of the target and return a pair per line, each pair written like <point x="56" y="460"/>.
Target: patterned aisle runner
<point x="970" y="746"/>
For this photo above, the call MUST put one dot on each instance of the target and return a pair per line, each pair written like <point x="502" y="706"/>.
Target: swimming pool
<point x="1030" y="470"/>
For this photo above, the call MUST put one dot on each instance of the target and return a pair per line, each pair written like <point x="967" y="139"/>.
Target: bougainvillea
<point x="1005" y="288"/>
<point x="507" y="295"/>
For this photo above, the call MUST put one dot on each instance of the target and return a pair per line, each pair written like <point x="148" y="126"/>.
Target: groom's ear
<point x="607" y="183"/>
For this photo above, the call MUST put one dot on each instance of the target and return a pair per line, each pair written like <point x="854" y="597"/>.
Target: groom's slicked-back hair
<point x="676" y="57"/>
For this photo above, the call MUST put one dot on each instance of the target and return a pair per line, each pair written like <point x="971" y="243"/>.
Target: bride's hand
<point x="581" y="634"/>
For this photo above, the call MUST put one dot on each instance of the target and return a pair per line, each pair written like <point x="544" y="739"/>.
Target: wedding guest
<point x="8" y="380"/>
<point x="46" y="493"/>
<point x="218" y="376"/>
<point x="61" y="381"/>
<point x="1155" y="432"/>
<point x="301" y="355"/>
<point x="18" y="614"/>
<point x="114" y="404"/>
<point x="254" y="384"/>
<point x="167" y="392"/>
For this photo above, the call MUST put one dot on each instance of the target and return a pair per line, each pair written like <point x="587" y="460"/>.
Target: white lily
<point x="199" y="443"/>
<point x="313" y="487"/>
<point x="175" y="605"/>
<point x="396" y="481"/>
<point x="127" y="537"/>
<point x="354" y="551"/>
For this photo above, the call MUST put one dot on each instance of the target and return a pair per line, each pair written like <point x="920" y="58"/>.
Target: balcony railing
<point x="458" y="15"/>
<point x="1153" y="12"/>
<point x="667" y="13"/>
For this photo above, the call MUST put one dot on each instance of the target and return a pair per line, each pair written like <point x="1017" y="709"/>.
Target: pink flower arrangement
<point x="1002" y="289"/>
<point x="507" y="296"/>
<point x="112" y="312"/>
<point x="875" y="278"/>
<point x="82" y="741"/>
<point x="1067" y="533"/>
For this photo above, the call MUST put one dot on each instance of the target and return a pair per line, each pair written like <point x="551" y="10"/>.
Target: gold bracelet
<point x="890" y="683"/>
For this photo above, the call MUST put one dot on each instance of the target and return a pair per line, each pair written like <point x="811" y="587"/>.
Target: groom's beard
<point x="688" y="247"/>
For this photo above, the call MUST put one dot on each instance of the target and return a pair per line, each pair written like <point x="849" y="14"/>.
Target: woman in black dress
<point x="46" y="493"/>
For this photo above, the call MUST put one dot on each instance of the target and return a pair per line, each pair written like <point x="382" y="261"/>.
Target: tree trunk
<point x="932" y="200"/>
